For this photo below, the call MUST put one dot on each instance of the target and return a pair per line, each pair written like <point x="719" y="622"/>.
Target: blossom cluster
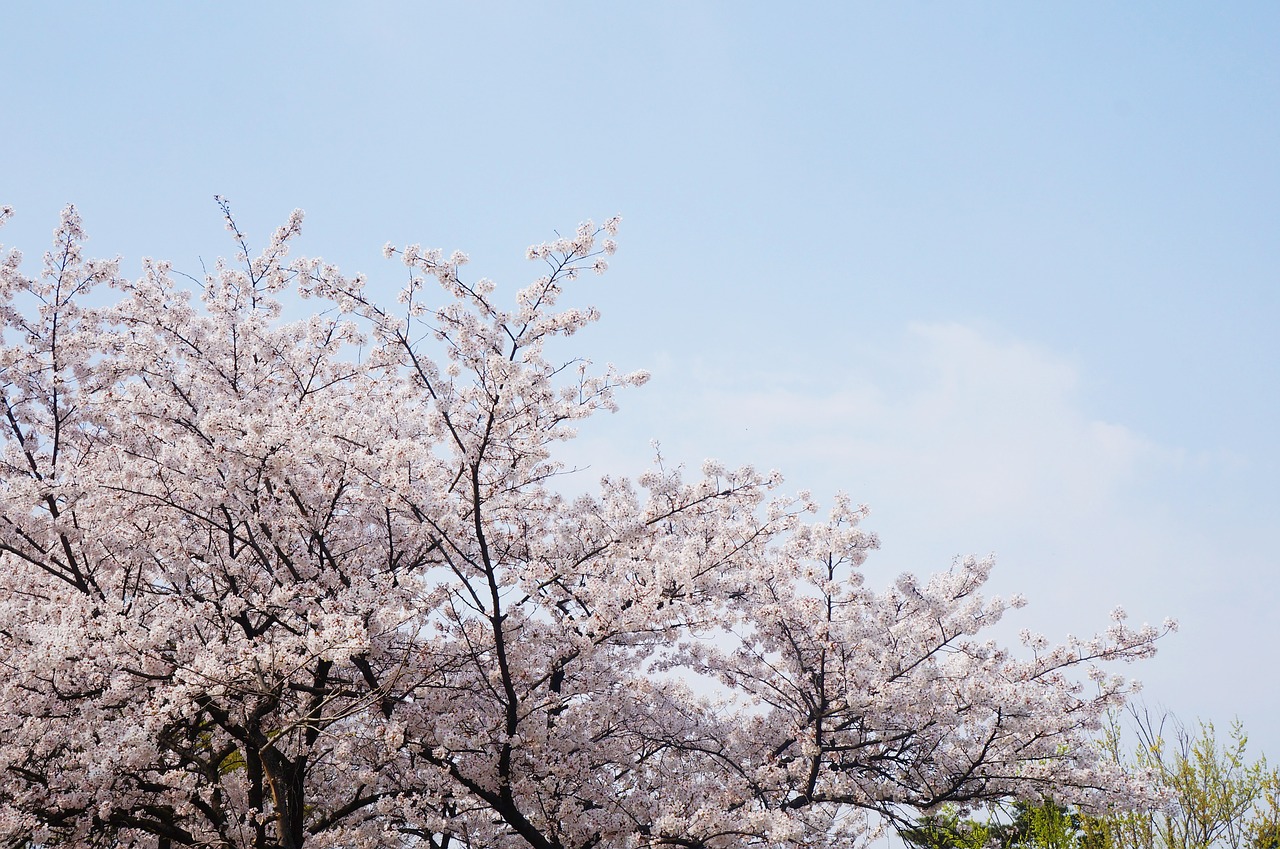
<point x="267" y="582"/>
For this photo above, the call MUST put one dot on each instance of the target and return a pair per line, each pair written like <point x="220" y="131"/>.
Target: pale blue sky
<point x="1007" y="272"/>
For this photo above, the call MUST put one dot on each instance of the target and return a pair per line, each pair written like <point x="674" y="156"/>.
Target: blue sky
<point x="1005" y="272"/>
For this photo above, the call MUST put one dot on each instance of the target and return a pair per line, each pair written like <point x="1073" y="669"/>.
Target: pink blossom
<point x="266" y="581"/>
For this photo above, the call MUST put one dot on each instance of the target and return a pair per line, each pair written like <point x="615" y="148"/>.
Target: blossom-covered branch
<point x="274" y="583"/>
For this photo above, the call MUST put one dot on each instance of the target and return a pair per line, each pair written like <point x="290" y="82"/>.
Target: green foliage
<point x="1263" y="831"/>
<point x="1024" y="825"/>
<point x="1218" y="798"/>
<point x="1046" y="825"/>
<point x="946" y="830"/>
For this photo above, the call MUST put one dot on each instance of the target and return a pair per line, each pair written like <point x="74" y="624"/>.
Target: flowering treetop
<point x="268" y="583"/>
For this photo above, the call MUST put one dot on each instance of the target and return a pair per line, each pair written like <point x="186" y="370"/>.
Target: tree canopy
<point x="274" y="583"/>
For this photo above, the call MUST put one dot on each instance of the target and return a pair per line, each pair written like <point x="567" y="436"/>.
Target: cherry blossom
<point x="273" y="582"/>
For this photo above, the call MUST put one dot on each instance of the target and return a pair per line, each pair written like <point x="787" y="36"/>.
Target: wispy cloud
<point x="962" y="424"/>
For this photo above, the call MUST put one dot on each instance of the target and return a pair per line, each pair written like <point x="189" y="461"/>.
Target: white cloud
<point x="964" y="425"/>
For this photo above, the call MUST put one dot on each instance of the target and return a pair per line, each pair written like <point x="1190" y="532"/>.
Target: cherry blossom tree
<point x="274" y="583"/>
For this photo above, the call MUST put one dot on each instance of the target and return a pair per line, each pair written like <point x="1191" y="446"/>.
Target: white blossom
<point x="265" y="580"/>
